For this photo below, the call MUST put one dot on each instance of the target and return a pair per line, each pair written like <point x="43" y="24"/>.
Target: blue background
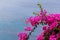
<point x="14" y="12"/>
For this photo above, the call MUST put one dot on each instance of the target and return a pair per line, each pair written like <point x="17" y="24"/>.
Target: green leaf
<point x="35" y="13"/>
<point x="39" y="5"/>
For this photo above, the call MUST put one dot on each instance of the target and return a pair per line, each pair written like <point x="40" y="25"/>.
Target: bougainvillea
<point x="51" y="30"/>
<point x="28" y="28"/>
<point x="22" y="36"/>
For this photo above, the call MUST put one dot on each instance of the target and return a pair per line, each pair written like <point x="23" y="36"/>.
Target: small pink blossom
<point x="45" y="27"/>
<point x="22" y="36"/>
<point x="58" y="35"/>
<point x="40" y="37"/>
<point x="53" y="25"/>
<point x="34" y="20"/>
<point x="37" y="18"/>
<point x="49" y="20"/>
<point x="43" y="13"/>
<point x="28" y="28"/>
<point x="31" y="21"/>
<point x="52" y="37"/>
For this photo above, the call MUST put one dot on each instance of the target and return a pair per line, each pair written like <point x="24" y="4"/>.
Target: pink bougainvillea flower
<point x="40" y="37"/>
<point x="31" y="21"/>
<point x="58" y="35"/>
<point x="55" y="16"/>
<point x="22" y="36"/>
<point x="45" y="27"/>
<point x="28" y="19"/>
<point x="34" y="20"/>
<point x="49" y="20"/>
<point x="28" y="28"/>
<point x="37" y="18"/>
<point x="43" y="13"/>
<point x="53" y="25"/>
<point x="52" y="37"/>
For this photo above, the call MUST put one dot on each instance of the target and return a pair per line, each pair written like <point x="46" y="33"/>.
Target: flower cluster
<point x="50" y="32"/>
<point x="22" y="36"/>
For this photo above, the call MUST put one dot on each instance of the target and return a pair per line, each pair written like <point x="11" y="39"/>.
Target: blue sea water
<point x="14" y="12"/>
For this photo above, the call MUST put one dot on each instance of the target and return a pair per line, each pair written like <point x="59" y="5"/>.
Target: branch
<point x="31" y="32"/>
